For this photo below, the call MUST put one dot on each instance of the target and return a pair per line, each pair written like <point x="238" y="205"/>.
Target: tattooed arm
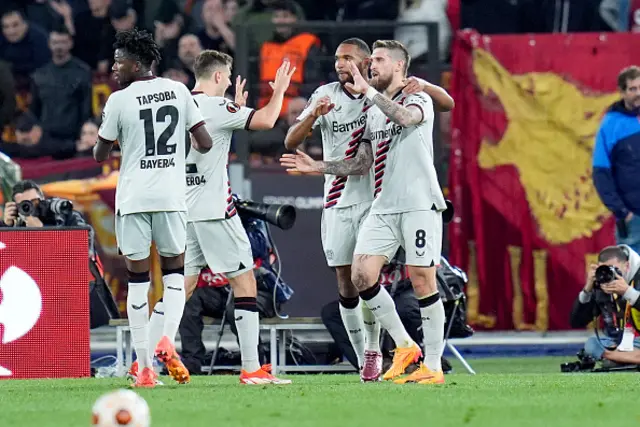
<point x="358" y="165"/>
<point x="404" y="116"/>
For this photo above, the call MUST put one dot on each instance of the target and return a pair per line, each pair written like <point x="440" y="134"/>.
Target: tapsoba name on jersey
<point x="156" y="97"/>
<point x="349" y="127"/>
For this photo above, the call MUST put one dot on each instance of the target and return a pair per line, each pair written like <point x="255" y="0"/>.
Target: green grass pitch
<point x="506" y="392"/>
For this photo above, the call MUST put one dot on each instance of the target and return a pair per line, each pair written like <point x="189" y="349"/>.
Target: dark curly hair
<point x="140" y="45"/>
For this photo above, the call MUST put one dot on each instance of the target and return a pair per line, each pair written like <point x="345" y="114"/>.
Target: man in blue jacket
<point x="616" y="159"/>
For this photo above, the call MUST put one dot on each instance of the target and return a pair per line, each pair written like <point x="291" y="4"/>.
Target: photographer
<point x="611" y="286"/>
<point x="29" y="208"/>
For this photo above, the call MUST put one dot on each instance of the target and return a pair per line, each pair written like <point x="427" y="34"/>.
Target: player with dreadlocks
<point x="148" y="117"/>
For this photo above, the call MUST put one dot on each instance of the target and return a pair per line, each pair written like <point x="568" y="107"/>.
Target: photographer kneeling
<point x="29" y="208"/>
<point x="613" y="292"/>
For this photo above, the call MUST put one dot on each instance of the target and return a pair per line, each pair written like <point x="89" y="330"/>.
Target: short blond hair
<point x="395" y="47"/>
<point x="208" y="61"/>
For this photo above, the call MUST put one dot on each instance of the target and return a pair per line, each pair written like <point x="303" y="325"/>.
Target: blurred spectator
<point x="123" y="15"/>
<point x="217" y="33"/>
<point x="42" y="14"/>
<point x="22" y="45"/>
<point x="160" y="11"/>
<point x="88" y="138"/>
<point x="61" y="91"/>
<point x="257" y="15"/>
<point x="94" y="47"/>
<point x="33" y="142"/>
<point x="63" y="11"/>
<point x="7" y="95"/>
<point x="176" y="73"/>
<point x="415" y="37"/>
<point x="634" y="16"/>
<point x="615" y="163"/>
<point x="303" y="49"/>
<point x="270" y="143"/>
<point x="188" y="49"/>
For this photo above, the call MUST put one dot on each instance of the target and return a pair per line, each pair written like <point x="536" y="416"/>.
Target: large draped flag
<point x="529" y="220"/>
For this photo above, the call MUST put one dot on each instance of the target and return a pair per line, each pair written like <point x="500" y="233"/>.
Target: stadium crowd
<point x="56" y="55"/>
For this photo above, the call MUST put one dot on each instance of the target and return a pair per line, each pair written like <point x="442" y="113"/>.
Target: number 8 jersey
<point x="149" y="118"/>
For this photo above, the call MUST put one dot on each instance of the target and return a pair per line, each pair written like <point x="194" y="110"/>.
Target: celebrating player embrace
<point x="215" y="236"/>
<point x="407" y="201"/>
<point x="149" y="117"/>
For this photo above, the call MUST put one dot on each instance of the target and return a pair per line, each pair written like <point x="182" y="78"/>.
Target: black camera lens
<point x="26" y="208"/>
<point x="606" y="274"/>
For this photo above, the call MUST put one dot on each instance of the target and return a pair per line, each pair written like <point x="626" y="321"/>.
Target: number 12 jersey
<point x="149" y="118"/>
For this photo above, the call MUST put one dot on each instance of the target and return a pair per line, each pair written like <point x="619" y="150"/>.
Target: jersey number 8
<point x="160" y="148"/>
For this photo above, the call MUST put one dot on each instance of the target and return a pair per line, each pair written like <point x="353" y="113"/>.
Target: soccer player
<point x="406" y="210"/>
<point x="341" y="114"/>
<point x="148" y="117"/>
<point x="215" y="235"/>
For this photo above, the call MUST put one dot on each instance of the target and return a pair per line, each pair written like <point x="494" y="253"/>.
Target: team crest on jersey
<point x="232" y="107"/>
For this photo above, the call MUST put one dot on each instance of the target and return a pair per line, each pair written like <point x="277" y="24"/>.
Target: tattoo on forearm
<point x="396" y="112"/>
<point x="358" y="165"/>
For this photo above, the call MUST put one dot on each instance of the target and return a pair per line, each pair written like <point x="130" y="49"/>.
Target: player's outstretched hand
<point x="359" y="84"/>
<point x="413" y="85"/>
<point x="283" y="77"/>
<point x="298" y="163"/>
<point x="322" y="107"/>
<point x="241" y="94"/>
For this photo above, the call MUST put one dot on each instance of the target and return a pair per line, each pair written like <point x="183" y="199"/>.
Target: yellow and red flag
<point x="529" y="218"/>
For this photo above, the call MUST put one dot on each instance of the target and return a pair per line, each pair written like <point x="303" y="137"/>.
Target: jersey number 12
<point x="160" y="147"/>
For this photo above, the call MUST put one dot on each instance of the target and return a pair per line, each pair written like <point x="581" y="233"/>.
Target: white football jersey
<point x="208" y="188"/>
<point x="405" y="176"/>
<point x="342" y="129"/>
<point x="149" y="118"/>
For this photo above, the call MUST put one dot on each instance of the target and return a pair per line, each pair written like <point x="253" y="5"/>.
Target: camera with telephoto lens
<point x="44" y="208"/>
<point x="282" y="216"/>
<point x="606" y="303"/>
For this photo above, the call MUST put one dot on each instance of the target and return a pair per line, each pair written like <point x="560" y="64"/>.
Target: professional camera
<point x="605" y="274"/>
<point x="282" y="216"/>
<point x="43" y="208"/>
<point x="584" y="363"/>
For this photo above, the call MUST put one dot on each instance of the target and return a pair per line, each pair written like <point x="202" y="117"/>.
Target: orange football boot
<point x="403" y="357"/>
<point x="146" y="379"/>
<point x="166" y="353"/>
<point x="422" y="375"/>
<point x="261" y="376"/>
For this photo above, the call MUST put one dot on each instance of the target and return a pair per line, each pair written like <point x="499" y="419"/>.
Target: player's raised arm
<point x="442" y="100"/>
<point x="399" y="114"/>
<point x="265" y="118"/>
<point x="302" y="128"/>
<point x="108" y="132"/>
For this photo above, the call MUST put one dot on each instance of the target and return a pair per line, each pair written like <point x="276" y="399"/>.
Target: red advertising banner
<point x="44" y="303"/>
<point x="528" y="218"/>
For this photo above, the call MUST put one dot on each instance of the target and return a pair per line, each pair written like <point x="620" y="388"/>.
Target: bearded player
<point x="149" y="117"/>
<point x="406" y="210"/>
<point x="215" y="235"/>
<point x="341" y="114"/>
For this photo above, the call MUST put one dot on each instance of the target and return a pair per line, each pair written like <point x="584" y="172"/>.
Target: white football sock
<point x="156" y="325"/>
<point x="384" y="309"/>
<point x="248" y="326"/>
<point x="371" y="330"/>
<point x="353" y="323"/>
<point x="174" y="299"/>
<point x="138" y="314"/>
<point x="433" y="319"/>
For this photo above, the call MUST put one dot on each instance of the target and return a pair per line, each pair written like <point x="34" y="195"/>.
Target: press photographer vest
<point x="296" y="50"/>
<point x="632" y="315"/>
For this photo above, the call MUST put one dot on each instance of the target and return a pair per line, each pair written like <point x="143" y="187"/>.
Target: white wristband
<point x="371" y="92"/>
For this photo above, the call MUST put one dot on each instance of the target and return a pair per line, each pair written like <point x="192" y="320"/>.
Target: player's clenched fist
<point x="283" y="77"/>
<point x="299" y="163"/>
<point x="322" y="107"/>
